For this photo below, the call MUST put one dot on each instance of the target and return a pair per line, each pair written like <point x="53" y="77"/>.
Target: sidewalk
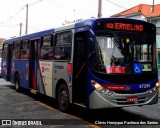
<point x="4" y="82"/>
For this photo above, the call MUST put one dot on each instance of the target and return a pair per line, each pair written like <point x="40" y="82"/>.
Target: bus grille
<point x="129" y="92"/>
<point x="123" y="101"/>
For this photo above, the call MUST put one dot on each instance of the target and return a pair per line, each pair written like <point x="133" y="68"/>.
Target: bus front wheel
<point x="63" y="97"/>
<point x="17" y="83"/>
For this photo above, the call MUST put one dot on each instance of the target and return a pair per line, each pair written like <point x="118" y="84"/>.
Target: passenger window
<point x="16" y="50"/>
<point x="62" y="49"/>
<point x="46" y="48"/>
<point x="5" y="52"/>
<point x="25" y="50"/>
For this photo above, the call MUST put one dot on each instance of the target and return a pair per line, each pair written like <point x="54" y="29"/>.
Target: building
<point x="148" y="13"/>
<point x="1" y="44"/>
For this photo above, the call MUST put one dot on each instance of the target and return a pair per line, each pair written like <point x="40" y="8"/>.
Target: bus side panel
<point x="16" y="68"/>
<point x="24" y="75"/>
<point x="12" y="71"/>
<point x="40" y="84"/>
<point x="46" y="78"/>
<point x="4" y="69"/>
<point x="60" y="73"/>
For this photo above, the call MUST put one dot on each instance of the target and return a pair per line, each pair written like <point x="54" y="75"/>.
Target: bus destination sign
<point x="124" y="26"/>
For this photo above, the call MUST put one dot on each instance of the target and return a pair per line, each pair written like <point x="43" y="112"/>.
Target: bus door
<point x="6" y="61"/>
<point x="24" y="62"/>
<point x="45" y="66"/>
<point x="10" y="47"/>
<point x="80" y="68"/>
<point x="33" y="63"/>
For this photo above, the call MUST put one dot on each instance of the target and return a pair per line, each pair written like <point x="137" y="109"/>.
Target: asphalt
<point x="25" y="106"/>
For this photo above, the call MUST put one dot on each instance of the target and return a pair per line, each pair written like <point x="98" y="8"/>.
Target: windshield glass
<point x="121" y="52"/>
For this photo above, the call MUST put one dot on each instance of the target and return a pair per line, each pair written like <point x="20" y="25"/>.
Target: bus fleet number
<point x="144" y="86"/>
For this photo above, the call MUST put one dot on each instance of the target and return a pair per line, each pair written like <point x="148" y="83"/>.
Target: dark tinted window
<point x="16" y="50"/>
<point x="5" y="49"/>
<point x="62" y="50"/>
<point x="25" y="49"/>
<point x="46" y="48"/>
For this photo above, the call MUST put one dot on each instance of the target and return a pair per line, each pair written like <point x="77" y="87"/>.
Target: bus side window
<point x="25" y="49"/>
<point x="62" y="47"/>
<point x="4" y="55"/>
<point x="46" y="48"/>
<point x="16" y="50"/>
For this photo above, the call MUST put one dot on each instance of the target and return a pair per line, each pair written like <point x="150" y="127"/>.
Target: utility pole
<point x="20" y="32"/>
<point x="74" y="15"/>
<point x="153" y="7"/>
<point x="27" y="19"/>
<point x="151" y="11"/>
<point x="99" y="8"/>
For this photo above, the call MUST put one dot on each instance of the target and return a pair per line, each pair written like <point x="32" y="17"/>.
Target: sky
<point x="46" y="14"/>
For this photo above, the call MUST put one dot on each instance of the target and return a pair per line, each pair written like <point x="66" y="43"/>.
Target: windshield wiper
<point x="117" y="43"/>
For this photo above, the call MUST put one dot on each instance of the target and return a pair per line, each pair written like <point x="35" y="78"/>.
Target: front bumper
<point x="98" y="100"/>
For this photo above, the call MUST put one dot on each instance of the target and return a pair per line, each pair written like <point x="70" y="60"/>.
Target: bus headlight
<point x="156" y="87"/>
<point x="157" y="84"/>
<point x="98" y="87"/>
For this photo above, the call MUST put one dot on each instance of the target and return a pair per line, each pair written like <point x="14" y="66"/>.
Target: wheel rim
<point x="63" y="97"/>
<point x="17" y="84"/>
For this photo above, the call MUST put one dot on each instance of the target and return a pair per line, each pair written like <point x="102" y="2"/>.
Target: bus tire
<point x="63" y="97"/>
<point x="17" y="83"/>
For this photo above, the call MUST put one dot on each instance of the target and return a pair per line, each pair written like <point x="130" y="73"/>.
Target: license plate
<point x="132" y="99"/>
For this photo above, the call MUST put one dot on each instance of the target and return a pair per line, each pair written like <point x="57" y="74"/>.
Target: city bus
<point x="95" y="63"/>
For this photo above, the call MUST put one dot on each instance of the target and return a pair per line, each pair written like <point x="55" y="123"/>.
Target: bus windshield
<point x="121" y="50"/>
